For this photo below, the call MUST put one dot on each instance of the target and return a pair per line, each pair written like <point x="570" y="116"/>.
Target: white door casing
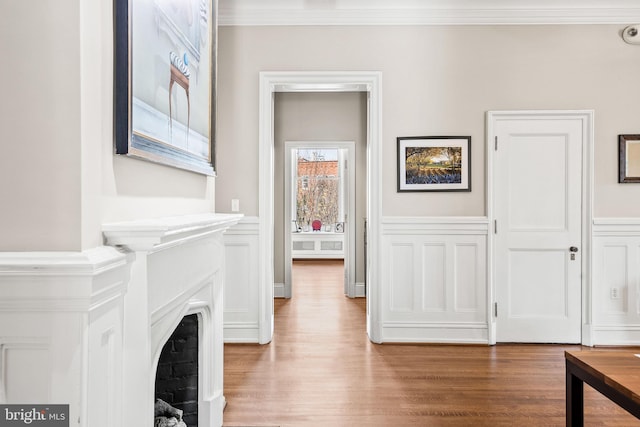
<point x="323" y="81"/>
<point x="540" y="205"/>
<point x="347" y="191"/>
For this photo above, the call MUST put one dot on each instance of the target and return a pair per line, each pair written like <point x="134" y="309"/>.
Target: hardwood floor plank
<point x="321" y="370"/>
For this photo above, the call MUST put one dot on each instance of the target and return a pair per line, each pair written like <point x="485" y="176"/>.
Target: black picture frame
<point x="628" y="159"/>
<point x="165" y="82"/>
<point x="434" y="163"/>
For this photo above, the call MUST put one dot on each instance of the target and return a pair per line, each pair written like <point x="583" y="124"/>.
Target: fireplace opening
<point x="177" y="376"/>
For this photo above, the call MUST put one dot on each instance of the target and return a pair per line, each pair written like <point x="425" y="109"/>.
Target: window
<point x="318" y="186"/>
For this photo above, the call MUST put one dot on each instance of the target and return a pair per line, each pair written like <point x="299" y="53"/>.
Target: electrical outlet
<point x="615" y="293"/>
<point x="235" y="205"/>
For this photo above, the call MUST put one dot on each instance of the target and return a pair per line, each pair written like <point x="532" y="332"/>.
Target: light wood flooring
<point x="321" y="370"/>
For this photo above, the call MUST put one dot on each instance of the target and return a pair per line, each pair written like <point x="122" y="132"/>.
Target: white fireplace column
<point x="61" y="331"/>
<point x="178" y="270"/>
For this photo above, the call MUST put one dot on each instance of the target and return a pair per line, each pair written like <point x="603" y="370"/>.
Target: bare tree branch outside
<point x="318" y="190"/>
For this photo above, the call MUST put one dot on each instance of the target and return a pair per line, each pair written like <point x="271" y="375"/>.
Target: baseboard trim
<point x="241" y="333"/>
<point x="435" y="333"/>
<point x="615" y="335"/>
<point x="278" y="290"/>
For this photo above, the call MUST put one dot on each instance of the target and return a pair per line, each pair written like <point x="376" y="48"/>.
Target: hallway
<point x="321" y="370"/>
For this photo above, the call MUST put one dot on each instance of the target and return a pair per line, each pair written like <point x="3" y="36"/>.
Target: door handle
<point x="573" y="249"/>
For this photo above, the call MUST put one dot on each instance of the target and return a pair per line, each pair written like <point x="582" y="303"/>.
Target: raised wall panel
<point x="402" y="277"/>
<point x="434" y="277"/>
<point x="237" y="284"/>
<point x="466" y="278"/>
<point x="615" y="276"/>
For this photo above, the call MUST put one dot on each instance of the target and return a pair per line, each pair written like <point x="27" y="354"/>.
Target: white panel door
<point x="538" y="210"/>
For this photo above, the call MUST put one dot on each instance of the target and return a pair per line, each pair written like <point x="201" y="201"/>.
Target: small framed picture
<point x="339" y="227"/>
<point x="434" y="163"/>
<point x="628" y="158"/>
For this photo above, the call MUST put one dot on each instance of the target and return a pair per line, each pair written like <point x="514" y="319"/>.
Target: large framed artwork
<point x="434" y="163"/>
<point x="628" y="158"/>
<point x="165" y="74"/>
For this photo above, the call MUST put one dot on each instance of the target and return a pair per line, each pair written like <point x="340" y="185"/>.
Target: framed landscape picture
<point x="434" y="163"/>
<point x="165" y="74"/>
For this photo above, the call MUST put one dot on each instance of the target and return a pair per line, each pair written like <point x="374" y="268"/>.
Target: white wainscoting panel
<point x="241" y="292"/>
<point x="434" y="285"/>
<point x="615" y="304"/>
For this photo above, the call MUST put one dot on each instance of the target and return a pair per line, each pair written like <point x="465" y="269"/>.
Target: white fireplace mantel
<point x="179" y="270"/>
<point x="86" y="328"/>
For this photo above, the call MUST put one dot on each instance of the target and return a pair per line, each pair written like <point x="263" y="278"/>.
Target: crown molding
<point x="426" y="12"/>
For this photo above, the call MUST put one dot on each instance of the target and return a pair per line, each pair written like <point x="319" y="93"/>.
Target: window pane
<point x="318" y="183"/>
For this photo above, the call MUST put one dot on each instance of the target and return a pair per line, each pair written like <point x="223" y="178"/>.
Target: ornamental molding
<point x="426" y="12"/>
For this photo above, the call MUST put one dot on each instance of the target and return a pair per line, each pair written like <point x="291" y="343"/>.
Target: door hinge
<point x="495" y="309"/>
<point x="496" y="143"/>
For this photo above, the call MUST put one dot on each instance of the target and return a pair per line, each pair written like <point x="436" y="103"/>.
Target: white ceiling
<point x="426" y="12"/>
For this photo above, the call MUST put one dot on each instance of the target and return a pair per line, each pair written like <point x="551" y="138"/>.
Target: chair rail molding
<point x="616" y="226"/>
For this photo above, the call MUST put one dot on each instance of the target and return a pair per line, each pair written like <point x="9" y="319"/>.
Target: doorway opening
<point x="272" y="83"/>
<point x="320" y="208"/>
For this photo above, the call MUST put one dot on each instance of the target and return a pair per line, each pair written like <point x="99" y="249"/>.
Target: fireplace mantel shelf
<point x="160" y="233"/>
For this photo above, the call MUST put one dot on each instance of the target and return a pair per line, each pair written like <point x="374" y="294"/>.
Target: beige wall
<point x="60" y="178"/>
<point x="319" y="117"/>
<point x="439" y="80"/>
<point x="39" y="126"/>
